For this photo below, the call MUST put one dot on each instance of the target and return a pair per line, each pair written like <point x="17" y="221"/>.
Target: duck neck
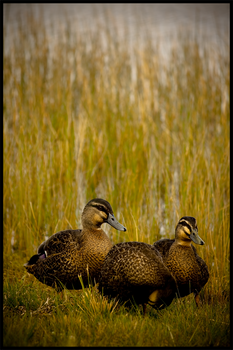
<point x="88" y="226"/>
<point x="182" y="239"/>
<point x="91" y="221"/>
<point x="92" y="227"/>
<point x="183" y="243"/>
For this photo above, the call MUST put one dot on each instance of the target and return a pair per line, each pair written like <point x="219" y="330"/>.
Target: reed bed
<point x="91" y="118"/>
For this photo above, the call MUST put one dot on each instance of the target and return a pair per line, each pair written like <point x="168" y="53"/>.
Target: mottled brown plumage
<point x="181" y="258"/>
<point x="135" y="270"/>
<point x="66" y="255"/>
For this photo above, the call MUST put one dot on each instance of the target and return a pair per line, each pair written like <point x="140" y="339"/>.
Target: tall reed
<point x="85" y="120"/>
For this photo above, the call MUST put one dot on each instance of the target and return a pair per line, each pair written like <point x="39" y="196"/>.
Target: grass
<point x="40" y="317"/>
<point x="81" y="121"/>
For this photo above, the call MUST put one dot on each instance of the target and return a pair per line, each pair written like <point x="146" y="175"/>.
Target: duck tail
<point x="33" y="260"/>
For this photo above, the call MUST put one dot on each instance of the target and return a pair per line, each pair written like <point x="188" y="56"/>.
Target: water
<point x="209" y="23"/>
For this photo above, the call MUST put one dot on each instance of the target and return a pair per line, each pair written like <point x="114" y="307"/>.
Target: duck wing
<point x="57" y="260"/>
<point x="60" y="242"/>
<point x="163" y="246"/>
<point x="203" y="274"/>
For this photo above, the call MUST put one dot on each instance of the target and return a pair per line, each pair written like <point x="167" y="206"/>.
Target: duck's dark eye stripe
<point x="104" y="210"/>
<point x="184" y="223"/>
<point x="101" y="208"/>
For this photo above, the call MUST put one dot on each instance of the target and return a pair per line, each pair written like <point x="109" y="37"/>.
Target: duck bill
<point x="111" y="220"/>
<point x="195" y="238"/>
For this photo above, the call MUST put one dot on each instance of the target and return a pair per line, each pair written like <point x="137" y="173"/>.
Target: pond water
<point x="209" y="23"/>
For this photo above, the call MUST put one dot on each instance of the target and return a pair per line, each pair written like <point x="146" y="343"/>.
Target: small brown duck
<point x="66" y="255"/>
<point x="181" y="258"/>
<point x="135" y="270"/>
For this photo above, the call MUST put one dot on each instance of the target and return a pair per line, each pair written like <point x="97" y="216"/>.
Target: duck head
<point x="98" y="211"/>
<point x="187" y="231"/>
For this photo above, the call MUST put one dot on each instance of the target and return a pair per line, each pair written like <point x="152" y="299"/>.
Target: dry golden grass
<point x="151" y="138"/>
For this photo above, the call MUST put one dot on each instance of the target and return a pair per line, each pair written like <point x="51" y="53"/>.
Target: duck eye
<point x="101" y="208"/>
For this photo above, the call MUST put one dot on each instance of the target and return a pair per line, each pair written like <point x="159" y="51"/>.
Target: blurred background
<point x="207" y="23"/>
<point x="127" y="102"/>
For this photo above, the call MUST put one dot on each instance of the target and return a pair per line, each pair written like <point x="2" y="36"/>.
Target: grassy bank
<point x="152" y="138"/>
<point x="35" y="315"/>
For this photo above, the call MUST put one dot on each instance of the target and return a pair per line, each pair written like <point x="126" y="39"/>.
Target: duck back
<point x="68" y="255"/>
<point x="135" y="270"/>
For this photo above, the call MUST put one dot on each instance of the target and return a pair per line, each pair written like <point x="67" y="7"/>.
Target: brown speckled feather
<point x="58" y="242"/>
<point x="69" y="254"/>
<point x="164" y="244"/>
<point x="136" y="269"/>
<point x="190" y="271"/>
<point x="66" y="255"/>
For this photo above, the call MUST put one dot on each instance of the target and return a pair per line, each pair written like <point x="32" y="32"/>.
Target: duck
<point x="181" y="258"/>
<point x="68" y="255"/>
<point x="134" y="271"/>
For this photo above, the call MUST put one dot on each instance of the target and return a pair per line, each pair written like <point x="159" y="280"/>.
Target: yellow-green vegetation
<point x="85" y="120"/>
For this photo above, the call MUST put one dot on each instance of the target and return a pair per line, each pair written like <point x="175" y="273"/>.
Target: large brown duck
<point x="181" y="258"/>
<point x="66" y="255"/>
<point x="135" y="270"/>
